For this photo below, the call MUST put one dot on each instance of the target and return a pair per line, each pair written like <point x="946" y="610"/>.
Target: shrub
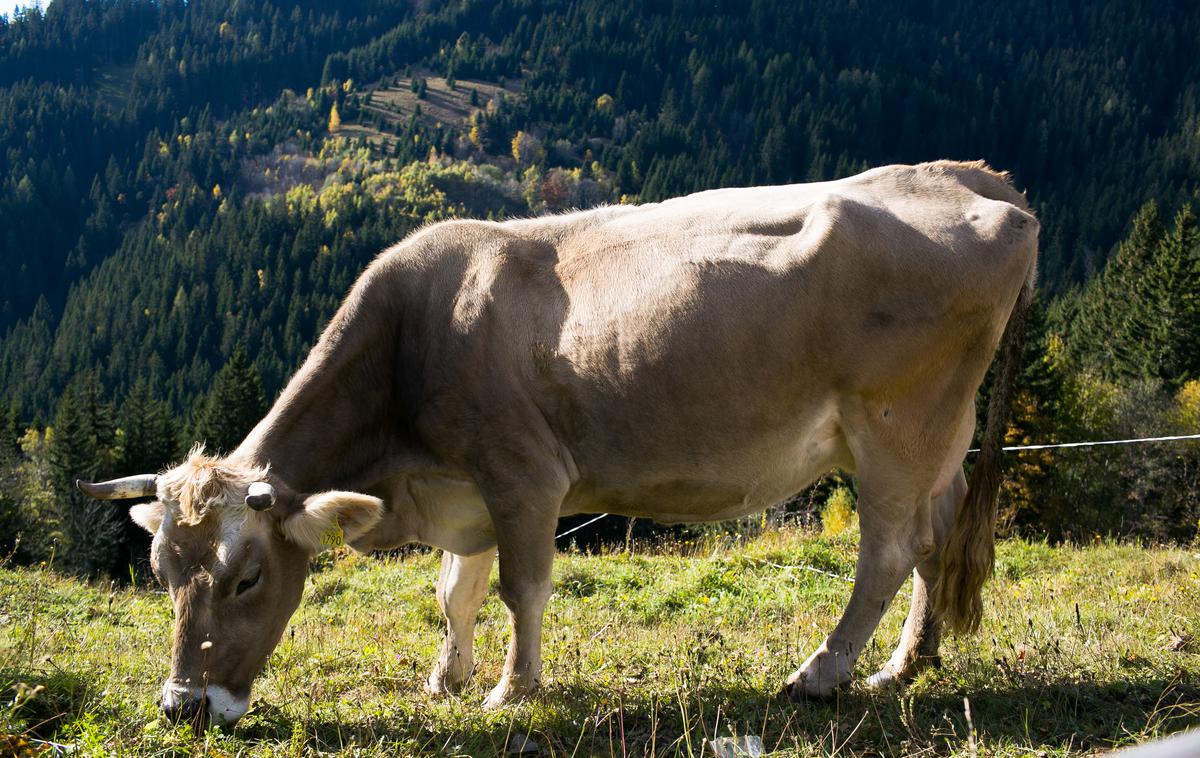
<point x="838" y="513"/>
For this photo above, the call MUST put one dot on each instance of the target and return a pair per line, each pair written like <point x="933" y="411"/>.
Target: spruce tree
<point x="1140" y="319"/>
<point x="10" y="503"/>
<point x="150" y="438"/>
<point x="10" y="431"/>
<point x="81" y="447"/>
<point x="232" y="407"/>
<point x="149" y="441"/>
<point x="1176" y="296"/>
<point x="1114" y="325"/>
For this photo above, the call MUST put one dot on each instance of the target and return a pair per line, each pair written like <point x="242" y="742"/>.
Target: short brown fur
<point x="696" y="359"/>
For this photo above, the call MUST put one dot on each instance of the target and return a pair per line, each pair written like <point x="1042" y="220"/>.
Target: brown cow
<point x="691" y="360"/>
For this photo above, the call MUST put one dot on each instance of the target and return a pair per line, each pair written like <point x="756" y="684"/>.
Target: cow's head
<point x="231" y="545"/>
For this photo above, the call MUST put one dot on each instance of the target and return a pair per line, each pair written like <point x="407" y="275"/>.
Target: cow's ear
<point x="148" y="516"/>
<point x="331" y="519"/>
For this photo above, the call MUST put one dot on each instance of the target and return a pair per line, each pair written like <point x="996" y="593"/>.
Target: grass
<point x="653" y="652"/>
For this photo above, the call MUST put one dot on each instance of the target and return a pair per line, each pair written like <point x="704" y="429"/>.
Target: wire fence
<point x="1009" y="449"/>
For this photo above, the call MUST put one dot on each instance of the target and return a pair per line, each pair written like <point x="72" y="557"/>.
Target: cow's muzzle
<point x="185" y="707"/>
<point x="200" y="706"/>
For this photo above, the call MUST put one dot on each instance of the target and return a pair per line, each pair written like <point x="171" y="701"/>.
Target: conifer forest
<point x="189" y="189"/>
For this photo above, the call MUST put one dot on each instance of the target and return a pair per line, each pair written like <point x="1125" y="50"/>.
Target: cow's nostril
<point x="185" y="708"/>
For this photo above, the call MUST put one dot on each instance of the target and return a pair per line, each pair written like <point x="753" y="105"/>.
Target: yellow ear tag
<point x="333" y="536"/>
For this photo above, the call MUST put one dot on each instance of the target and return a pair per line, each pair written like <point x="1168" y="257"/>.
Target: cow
<point x="697" y="359"/>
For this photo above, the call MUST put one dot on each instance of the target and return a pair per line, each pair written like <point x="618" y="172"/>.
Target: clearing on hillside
<point x="396" y="101"/>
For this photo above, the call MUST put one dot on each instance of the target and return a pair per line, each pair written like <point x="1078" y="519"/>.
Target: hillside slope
<point x="128" y="127"/>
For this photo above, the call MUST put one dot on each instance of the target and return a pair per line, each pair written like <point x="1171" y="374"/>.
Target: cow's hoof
<point x="506" y="693"/>
<point x="798" y="691"/>
<point x="440" y="684"/>
<point x="892" y="675"/>
<point x="884" y="678"/>
<point x="448" y="680"/>
<point x="818" y="679"/>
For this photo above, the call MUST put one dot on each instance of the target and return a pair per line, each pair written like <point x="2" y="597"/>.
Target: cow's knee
<point x="526" y="594"/>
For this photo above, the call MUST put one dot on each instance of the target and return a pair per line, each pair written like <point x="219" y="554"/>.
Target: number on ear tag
<point x="333" y="536"/>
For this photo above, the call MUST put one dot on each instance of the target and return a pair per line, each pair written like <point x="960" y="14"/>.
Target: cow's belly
<point x="751" y="472"/>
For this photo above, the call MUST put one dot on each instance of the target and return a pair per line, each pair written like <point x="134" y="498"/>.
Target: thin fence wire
<point x="577" y="528"/>
<point x="1168" y="438"/>
<point x="1009" y="448"/>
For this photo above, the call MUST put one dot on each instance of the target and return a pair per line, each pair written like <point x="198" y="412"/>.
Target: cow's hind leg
<point x="922" y="635"/>
<point x="461" y="587"/>
<point x="897" y="532"/>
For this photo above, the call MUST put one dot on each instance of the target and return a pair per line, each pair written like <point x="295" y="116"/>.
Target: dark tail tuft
<point x="969" y="553"/>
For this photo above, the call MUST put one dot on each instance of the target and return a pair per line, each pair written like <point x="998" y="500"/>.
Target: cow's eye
<point x="248" y="582"/>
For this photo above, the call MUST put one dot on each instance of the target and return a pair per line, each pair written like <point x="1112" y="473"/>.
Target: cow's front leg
<point x="461" y="587"/>
<point x="525" y="540"/>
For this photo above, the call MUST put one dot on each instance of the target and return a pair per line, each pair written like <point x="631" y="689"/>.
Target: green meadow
<point x="657" y="651"/>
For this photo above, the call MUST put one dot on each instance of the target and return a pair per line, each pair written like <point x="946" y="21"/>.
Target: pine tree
<point x="150" y="439"/>
<point x="1176" y="291"/>
<point x="232" y="407"/>
<point x="1113" y="328"/>
<point x="81" y="447"/>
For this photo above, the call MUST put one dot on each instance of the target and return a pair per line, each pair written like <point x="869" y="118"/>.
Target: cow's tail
<point x="969" y="552"/>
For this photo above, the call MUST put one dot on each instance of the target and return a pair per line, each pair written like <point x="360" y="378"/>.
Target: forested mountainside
<point x="188" y="189"/>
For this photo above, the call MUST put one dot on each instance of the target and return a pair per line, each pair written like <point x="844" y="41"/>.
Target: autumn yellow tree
<point x="335" y="119"/>
<point x="527" y="149"/>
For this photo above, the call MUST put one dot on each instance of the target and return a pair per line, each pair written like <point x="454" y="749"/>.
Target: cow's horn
<point x="260" y="496"/>
<point x="141" y="485"/>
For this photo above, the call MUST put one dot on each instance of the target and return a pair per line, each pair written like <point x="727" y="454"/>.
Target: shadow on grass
<point x="40" y="703"/>
<point x="578" y="719"/>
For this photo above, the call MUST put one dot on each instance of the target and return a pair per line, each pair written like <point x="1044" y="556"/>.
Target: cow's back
<point x="711" y="346"/>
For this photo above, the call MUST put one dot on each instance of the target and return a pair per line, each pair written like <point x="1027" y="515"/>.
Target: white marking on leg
<point x="461" y="587"/>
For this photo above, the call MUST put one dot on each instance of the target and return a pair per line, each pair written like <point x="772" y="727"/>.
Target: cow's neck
<point x="335" y="422"/>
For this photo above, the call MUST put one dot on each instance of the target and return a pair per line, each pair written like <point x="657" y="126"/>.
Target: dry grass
<point x="647" y="653"/>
